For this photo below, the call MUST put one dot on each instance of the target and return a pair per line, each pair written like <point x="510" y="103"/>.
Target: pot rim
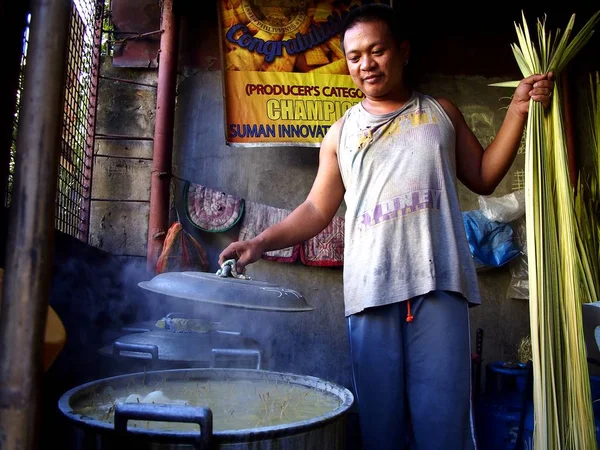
<point x="238" y="435"/>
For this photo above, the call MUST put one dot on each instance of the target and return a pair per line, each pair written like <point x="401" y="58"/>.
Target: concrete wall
<point x="123" y="161"/>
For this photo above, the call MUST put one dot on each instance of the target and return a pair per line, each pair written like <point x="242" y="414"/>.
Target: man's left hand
<point x="536" y="87"/>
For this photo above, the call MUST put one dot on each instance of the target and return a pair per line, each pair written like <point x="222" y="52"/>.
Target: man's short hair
<point x="374" y="12"/>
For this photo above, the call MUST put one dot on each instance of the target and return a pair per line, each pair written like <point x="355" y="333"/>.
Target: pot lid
<point x="228" y="291"/>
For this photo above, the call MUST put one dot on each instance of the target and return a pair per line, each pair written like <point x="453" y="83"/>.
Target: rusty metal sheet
<point x="137" y="37"/>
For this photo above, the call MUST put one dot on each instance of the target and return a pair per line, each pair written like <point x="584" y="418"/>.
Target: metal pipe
<point x="139" y="36"/>
<point x="133" y="158"/>
<point x="163" y="134"/>
<point x="122" y="80"/>
<point x="31" y="221"/>
<point x="120" y="137"/>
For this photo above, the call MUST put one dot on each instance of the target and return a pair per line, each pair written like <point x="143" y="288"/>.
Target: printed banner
<point x="285" y="77"/>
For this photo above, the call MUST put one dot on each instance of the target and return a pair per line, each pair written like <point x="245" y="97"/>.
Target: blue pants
<point x="412" y="380"/>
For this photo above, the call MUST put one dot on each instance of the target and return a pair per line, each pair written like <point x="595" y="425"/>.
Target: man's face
<point x="375" y="62"/>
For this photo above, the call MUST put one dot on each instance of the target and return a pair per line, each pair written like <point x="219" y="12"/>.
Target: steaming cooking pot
<point x="162" y="348"/>
<point x="183" y="343"/>
<point x="227" y="291"/>
<point x="142" y="424"/>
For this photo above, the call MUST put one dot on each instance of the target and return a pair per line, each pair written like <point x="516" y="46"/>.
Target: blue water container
<point x="499" y="410"/>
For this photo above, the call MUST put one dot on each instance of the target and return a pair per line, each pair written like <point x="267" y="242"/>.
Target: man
<point x="408" y="273"/>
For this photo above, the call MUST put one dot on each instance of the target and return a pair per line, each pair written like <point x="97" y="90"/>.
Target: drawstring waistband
<point x="409" y="316"/>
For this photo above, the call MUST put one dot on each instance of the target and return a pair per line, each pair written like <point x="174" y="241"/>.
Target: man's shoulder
<point x="337" y="126"/>
<point x="332" y="137"/>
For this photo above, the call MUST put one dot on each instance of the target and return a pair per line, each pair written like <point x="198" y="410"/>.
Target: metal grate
<point x="75" y="170"/>
<point x="77" y="138"/>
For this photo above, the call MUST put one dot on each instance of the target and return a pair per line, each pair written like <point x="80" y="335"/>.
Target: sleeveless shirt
<point x="404" y="232"/>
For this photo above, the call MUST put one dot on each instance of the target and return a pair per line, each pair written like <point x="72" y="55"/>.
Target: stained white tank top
<point x="404" y="233"/>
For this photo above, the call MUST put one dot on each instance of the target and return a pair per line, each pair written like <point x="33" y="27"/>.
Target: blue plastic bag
<point x="491" y="243"/>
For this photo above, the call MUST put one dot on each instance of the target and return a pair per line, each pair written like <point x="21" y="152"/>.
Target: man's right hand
<point x="244" y="252"/>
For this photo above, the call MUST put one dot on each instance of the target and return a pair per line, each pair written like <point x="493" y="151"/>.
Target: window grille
<point x="79" y="116"/>
<point x="79" y="112"/>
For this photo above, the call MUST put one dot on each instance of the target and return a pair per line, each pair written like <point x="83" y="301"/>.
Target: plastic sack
<point x="519" y="278"/>
<point x="181" y="252"/>
<point x="507" y="208"/>
<point x="519" y="267"/>
<point x="491" y="243"/>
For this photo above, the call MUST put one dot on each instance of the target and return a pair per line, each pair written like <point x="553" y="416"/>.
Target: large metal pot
<point x="324" y="432"/>
<point x="160" y="350"/>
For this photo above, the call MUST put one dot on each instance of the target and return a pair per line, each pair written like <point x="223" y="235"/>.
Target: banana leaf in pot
<point x="175" y="322"/>
<point x="227" y="291"/>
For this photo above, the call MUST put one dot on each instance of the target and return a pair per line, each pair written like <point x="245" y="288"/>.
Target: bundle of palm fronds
<point x="562" y="399"/>
<point x="587" y="203"/>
